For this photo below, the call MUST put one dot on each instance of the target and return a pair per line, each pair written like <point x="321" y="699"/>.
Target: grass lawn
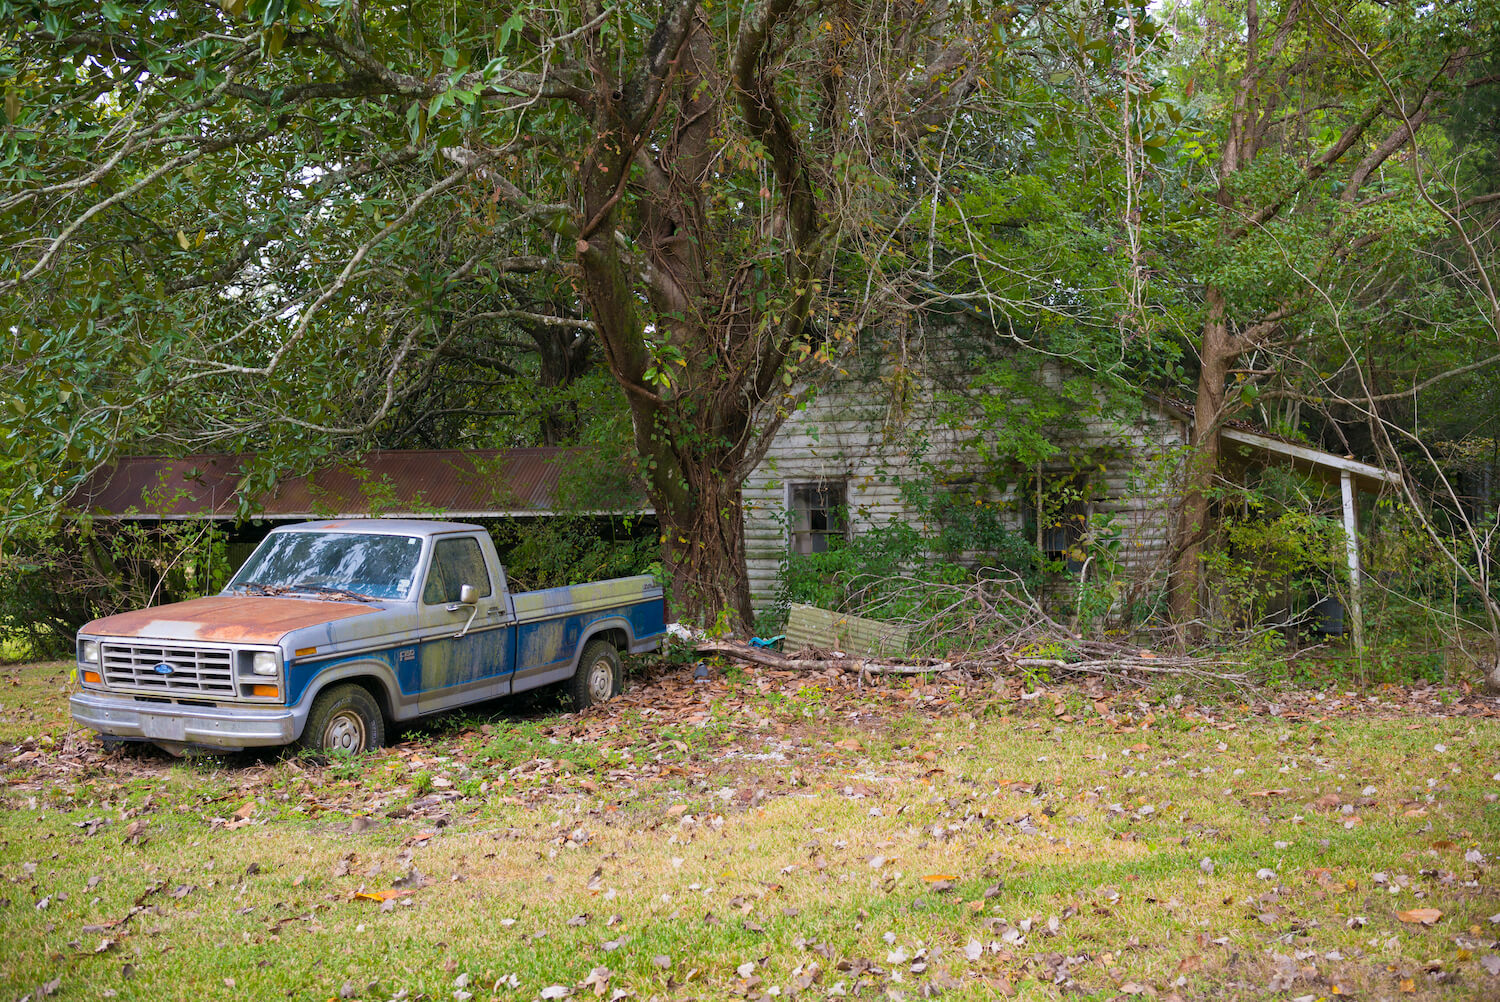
<point x="768" y="834"/>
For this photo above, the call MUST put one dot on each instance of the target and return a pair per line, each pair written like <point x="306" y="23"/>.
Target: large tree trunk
<point x="683" y="317"/>
<point x="1218" y="350"/>
<point x="703" y="548"/>
<point x="1259" y="100"/>
<point x="563" y="356"/>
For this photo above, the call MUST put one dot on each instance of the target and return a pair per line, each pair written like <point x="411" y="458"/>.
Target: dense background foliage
<point x="301" y="230"/>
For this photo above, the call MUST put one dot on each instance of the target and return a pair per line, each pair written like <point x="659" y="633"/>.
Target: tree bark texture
<point x="1195" y="516"/>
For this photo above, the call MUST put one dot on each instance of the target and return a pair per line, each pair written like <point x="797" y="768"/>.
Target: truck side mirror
<point x="468" y="595"/>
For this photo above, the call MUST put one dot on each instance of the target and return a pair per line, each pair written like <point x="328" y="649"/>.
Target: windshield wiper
<point x="343" y="593"/>
<point x="257" y="588"/>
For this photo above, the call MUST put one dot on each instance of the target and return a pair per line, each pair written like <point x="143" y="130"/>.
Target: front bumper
<point x="174" y="723"/>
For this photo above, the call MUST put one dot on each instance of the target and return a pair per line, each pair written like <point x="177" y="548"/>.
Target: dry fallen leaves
<point x="598" y="980"/>
<point x="385" y="895"/>
<point x="1423" y="916"/>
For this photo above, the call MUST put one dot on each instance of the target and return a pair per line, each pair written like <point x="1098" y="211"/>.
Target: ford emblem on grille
<point x="162" y="668"/>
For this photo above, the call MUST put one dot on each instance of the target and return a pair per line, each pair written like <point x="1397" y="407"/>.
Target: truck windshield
<point x="336" y="564"/>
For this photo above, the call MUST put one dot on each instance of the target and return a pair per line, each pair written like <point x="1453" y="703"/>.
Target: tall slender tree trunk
<point x="1217" y="352"/>
<point x="563" y="355"/>
<point x="1195" y="515"/>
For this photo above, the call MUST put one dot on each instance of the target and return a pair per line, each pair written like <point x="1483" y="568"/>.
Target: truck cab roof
<point x="383" y="526"/>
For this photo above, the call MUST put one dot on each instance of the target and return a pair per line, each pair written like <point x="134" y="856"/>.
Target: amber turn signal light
<point x="92" y="676"/>
<point x="265" y="690"/>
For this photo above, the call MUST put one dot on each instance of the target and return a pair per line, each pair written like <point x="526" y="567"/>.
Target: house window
<point x="1063" y="529"/>
<point x="956" y="506"/>
<point x="818" y="514"/>
<point x="1059" y="507"/>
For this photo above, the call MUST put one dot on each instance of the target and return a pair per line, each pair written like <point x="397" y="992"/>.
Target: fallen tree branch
<point x="995" y="663"/>
<point x="770" y="659"/>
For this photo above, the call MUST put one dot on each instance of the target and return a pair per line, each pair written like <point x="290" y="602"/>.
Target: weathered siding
<point x="853" y="430"/>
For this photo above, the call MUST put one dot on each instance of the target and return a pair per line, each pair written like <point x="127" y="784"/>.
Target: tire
<point x="344" y="720"/>
<point x="598" y="677"/>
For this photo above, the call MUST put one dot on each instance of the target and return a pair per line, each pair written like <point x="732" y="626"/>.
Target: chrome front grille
<point x="195" y="670"/>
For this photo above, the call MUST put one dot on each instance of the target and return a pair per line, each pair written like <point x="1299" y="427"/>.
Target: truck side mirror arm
<point x="467" y="595"/>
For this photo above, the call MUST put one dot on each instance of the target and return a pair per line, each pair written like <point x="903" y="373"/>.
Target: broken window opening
<point x="818" y="514"/>
<point x="1059" y="506"/>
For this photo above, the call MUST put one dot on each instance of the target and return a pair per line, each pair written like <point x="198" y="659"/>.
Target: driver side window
<point x="455" y="562"/>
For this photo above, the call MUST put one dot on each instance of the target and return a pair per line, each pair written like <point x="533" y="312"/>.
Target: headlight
<point x="265" y="663"/>
<point x="88" y="652"/>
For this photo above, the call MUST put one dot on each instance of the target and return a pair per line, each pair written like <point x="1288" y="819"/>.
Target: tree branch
<point x="642" y="93"/>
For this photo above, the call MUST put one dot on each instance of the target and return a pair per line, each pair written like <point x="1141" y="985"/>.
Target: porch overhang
<point x="1351" y="475"/>
<point x="1323" y="465"/>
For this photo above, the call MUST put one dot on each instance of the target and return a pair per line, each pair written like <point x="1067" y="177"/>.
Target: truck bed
<point x="593" y="596"/>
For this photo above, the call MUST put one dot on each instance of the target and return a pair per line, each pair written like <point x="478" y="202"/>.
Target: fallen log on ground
<point x="770" y="659"/>
<point x="993" y="624"/>
<point x="1113" y="664"/>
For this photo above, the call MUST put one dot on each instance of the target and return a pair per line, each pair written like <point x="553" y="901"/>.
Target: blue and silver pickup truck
<point x="333" y="630"/>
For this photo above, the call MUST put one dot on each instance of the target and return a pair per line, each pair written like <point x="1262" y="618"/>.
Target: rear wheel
<point x="598" y="676"/>
<point x="344" y="720"/>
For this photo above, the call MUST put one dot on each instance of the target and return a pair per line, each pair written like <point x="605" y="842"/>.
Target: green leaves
<point x="416" y="123"/>
<point x="503" y="33"/>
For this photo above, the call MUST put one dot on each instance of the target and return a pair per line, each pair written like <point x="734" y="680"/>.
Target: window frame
<point x="837" y="510"/>
<point x="432" y="563"/>
<point x="1071" y="521"/>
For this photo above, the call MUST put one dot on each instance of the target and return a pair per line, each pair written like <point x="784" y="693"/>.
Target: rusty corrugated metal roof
<point x="472" y="483"/>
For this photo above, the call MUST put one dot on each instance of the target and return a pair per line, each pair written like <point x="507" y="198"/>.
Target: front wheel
<point x="344" y="720"/>
<point x="598" y="675"/>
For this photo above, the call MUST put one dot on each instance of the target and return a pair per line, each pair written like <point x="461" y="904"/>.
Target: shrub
<point x="551" y="552"/>
<point x="54" y="580"/>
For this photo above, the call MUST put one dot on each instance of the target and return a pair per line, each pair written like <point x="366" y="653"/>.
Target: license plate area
<point x="164" y="728"/>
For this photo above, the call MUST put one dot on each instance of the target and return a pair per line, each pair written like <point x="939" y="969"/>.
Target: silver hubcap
<point x="601" y="681"/>
<point x="345" y="732"/>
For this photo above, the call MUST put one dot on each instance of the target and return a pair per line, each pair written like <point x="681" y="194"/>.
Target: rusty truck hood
<point x="226" y="618"/>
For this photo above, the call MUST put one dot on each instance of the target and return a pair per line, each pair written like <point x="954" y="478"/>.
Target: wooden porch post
<point x="1351" y="549"/>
